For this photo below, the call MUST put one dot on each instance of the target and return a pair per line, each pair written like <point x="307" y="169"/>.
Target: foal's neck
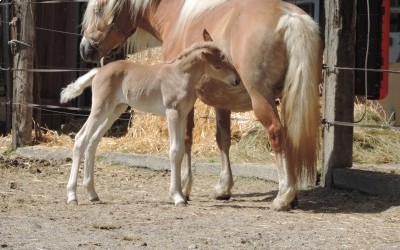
<point x="192" y="66"/>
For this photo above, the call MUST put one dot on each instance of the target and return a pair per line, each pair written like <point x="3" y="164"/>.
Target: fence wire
<point x="51" y="108"/>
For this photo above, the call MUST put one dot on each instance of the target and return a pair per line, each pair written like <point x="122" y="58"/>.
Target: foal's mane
<point x="111" y="7"/>
<point x="196" y="47"/>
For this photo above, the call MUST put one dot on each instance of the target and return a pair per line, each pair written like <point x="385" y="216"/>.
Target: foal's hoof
<point x="181" y="204"/>
<point x="72" y="203"/>
<point x="94" y="199"/>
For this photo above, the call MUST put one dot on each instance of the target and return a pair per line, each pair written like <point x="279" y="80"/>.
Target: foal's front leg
<point x="176" y="129"/>
<point x="222" y="191"/>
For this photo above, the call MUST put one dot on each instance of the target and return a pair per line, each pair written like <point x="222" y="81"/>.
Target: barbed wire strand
<point x="330" y="123"/>
<point x="50" y="109"/>
<point x="49" y="2"/>
<point x="51" y="30"/>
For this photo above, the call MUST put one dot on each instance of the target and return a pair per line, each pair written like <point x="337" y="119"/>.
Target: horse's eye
<point x="222" y="57"/>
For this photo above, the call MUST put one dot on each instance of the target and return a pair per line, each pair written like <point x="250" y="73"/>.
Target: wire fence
<point x="56" y="109"/>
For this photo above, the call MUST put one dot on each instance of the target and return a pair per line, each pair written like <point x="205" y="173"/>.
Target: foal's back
<point x="139" y="86"/>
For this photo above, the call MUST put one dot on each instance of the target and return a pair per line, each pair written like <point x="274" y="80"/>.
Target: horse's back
<point x="246" y="32"/>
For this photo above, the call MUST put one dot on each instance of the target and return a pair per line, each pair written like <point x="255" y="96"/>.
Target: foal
<point x="164" y="89"/>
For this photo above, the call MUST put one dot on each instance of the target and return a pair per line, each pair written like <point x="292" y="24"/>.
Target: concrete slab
<point x="266" y="172"/>
<point x="370" y="181"/>
<point x="365" y="178"/>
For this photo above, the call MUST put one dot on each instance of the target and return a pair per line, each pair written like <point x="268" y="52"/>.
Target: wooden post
<point x="23" y="49"/>
<point x="338" y="85"/>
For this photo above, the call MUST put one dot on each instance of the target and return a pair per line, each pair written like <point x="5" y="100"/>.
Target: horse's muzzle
<point x="88" y="52"/>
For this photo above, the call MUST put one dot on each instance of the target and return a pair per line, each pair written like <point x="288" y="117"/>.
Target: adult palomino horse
<point x="165" y="89"/>
<point x="276" y="50"/>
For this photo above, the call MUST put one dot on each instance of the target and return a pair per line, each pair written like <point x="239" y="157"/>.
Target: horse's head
<point x="106" y="26"/>
<point x="218" y="65"/>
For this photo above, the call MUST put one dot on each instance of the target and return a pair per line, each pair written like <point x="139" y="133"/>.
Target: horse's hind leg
<point x="266" y="112"/>
<point x="88" y="180"/>
<point x="222" y="191"/>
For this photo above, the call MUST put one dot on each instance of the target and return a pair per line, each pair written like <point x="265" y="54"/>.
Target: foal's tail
<point x="76" y="88"/>
<point x="300" y="102"/>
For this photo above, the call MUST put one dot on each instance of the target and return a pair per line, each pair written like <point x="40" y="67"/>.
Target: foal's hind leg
<point x="77" y="154"/>
<point x="88" y="180"/>
<point x="176" y="130"/>
<point x="222" y="191"/>
<point x="186" y="171"/>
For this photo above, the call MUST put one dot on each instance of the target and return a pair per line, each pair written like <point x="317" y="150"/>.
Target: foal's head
<point x="217" y="64"/>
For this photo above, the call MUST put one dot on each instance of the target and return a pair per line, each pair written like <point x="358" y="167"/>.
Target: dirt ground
<point x="135" y="212"/>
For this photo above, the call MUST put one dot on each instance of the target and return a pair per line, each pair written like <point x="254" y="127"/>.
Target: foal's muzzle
<point x="235" y="81"/>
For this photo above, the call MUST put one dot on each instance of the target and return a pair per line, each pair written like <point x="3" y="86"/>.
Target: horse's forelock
<point x="110" y="7"/>
<point x="106" y="8"/>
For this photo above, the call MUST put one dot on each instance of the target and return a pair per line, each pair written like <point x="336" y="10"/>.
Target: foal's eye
<point x="217" y="67"/>
<point x="222" y="57"/>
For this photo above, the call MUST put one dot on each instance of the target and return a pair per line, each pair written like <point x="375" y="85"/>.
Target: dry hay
<point x="374" y="145"/>
<point x="148" y="134"/>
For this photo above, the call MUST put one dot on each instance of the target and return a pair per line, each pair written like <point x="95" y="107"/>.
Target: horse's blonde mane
<point x="113" y="6"/>
<point x="193" y="8"/>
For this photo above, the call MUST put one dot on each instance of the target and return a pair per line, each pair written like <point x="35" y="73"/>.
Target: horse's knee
<point x="275" y="136"/>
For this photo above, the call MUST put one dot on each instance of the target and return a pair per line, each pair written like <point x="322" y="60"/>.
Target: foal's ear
<point x="207" y="36"/>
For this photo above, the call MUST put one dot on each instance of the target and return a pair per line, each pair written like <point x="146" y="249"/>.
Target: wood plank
<point x="338" y="104"/>
<point x="23" y="80"/>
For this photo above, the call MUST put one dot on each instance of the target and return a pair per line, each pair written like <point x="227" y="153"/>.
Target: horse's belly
<point x="224" y="96"/>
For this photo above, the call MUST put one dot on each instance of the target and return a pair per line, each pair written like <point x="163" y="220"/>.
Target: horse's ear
<point x="207" y="36"/>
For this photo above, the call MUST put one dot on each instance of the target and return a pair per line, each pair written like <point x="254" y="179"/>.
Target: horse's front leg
<point x="186" y="171"/>
<point x="222" y="191"/>
<point x="176" y="130"/>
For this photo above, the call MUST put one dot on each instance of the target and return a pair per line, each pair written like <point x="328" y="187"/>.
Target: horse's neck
<point x="161" y="20"/>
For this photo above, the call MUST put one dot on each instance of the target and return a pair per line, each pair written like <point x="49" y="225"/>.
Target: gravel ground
<point x="135" y="212"/>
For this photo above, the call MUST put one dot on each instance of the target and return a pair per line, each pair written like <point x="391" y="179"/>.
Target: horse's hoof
<point x="294" y="203"/>
<point x="277" y="206"/>
<point x="222" y="197"/>
<point x="72" y="203"/>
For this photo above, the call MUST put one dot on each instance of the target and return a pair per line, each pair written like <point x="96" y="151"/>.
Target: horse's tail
<point x="76" y="88"/>
<point x="300" y="99"/>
